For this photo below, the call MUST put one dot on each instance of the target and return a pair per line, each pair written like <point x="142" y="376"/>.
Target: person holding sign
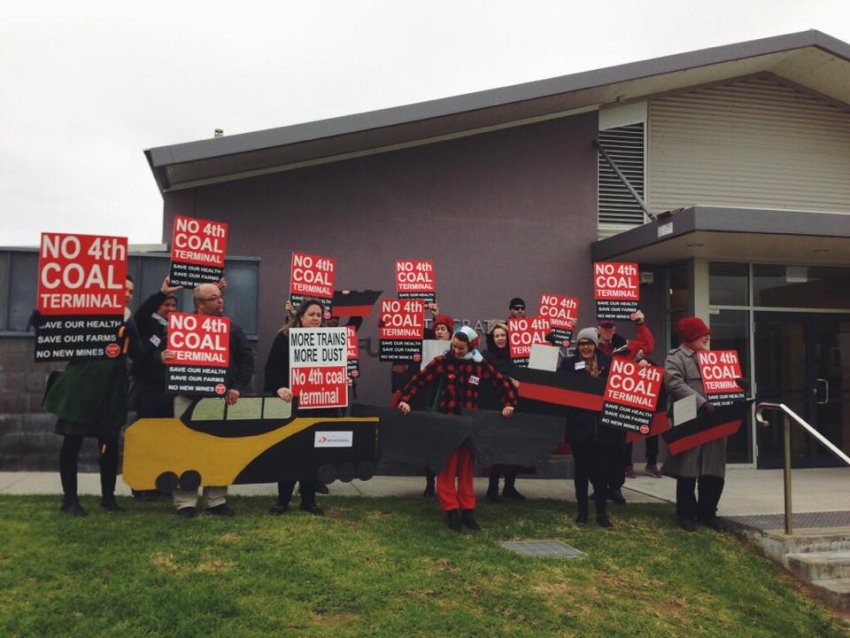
<point x="706" y="463"/>
<point x="458" y="375"/>
<point x="310" y="314"/>
<point x="595" y="447"/>
<point x="90" y="399"/>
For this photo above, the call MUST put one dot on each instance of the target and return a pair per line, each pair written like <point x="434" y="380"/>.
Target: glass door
<point x="803" y="361"/>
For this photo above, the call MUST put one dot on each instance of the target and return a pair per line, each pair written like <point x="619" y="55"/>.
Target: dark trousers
<point x="591" y="465"/>
<point x="651" y="451"/>
<point x="704" y="507"/>
<point x="69" y="454"/>
<point x="308" y="491"/>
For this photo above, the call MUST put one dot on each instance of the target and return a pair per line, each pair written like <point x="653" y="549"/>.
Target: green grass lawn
<point x="382" y="567"/>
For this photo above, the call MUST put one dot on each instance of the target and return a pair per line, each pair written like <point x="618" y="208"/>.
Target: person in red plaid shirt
<point x="459" y="374"/>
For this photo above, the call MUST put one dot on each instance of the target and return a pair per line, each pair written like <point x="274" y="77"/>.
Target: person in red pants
<point x="458" y="375"/>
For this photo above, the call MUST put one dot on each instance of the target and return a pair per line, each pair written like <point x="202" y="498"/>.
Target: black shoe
<point x="321" y="488"/>
<point x="72" y="506"/>
<point x="688" y="524"/>
<point x="187" y="512"/>
<point x="110" y="504"/>
<point x="429" y="487"/>
<point x="221" y="510"/>
<point x="453" y="520"/>
<point x="278" y="508"/>
<point x="581" y="517"/>
<point x="617" y="497"/>
<point x="468" y="519"/>
<point x="604" y="521"/>
<point x="311" y="508"/>
<point x="509" y="491"/>
<point x="717" y="524"/>
<point x="493" y="495"/>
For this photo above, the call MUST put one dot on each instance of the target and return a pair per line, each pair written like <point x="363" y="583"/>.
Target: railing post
<point x="786" y="427"/>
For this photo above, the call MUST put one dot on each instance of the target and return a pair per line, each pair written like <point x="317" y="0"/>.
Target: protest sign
<point x="198" y="248"/>
<point x="562" y="313"/>
<point x="201" y="346"/>
<point x="616" y="288"/>
<point x="401" y="329"/>
<point x="719" y="370"/>
<point x="353" y="366"/>
<point x="317" y="367"/>
<point x="524" y="333"/>
<point x="631" y="395"/>
<point x="414" y="279"/>
<point x="312" y="276"/>
<point x="80" y="296"/>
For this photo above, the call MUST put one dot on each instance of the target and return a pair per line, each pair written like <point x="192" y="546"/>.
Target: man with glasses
<point x="517" y="308"/>
<point x="209" y="300"/>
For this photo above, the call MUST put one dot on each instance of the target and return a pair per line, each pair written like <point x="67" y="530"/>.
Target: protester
<point x="704" y="464"/>
<point x="458" y="375"/>
<point x="516" y="308"/>
<point x="310" y="314"/>
<point x="594" y="445"/>
<point x="89" y="399"/>
<point x="498" y="355"/>
<point x="209" y="300"/>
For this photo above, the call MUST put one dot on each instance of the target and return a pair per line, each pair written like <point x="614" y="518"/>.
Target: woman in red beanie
<point x="706" y="463"/>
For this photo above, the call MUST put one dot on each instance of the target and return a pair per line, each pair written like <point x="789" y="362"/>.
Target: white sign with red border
<point x="318" y="375"/>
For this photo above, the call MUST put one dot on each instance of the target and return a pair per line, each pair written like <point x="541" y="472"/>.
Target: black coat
<point x="583" y="425"/>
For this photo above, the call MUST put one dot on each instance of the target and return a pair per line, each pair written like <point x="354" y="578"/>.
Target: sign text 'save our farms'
<point x="631" y="395"/>
<point x="616" y="288"/>
<point x="562" y="314"/>
<point x="524" y="333"/>
<point x="719" y="370"/>
<point x="318" y="375"/>
<point x="401" y="329"/>
<point x="201" y="346"/>
<point x="80" y="296"/>
<point x="312" y="276"/>
<point x="198" y="250"/>
<point x="414" y="279"/>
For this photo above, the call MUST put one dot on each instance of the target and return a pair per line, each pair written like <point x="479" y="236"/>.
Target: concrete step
<point x="835" y="592"/>
<point x="819" y="565"/>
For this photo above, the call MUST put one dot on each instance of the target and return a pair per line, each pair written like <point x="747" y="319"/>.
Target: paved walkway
<point x="748" y="491"/>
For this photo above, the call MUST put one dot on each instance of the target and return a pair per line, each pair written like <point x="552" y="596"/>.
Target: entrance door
<point x="803" y="361"/>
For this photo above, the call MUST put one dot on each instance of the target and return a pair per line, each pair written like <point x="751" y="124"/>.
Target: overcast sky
<point x="86" y="86"/>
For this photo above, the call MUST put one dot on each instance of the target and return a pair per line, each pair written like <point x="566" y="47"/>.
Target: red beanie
<point x="692" y="328"/>
<point x="445" y="320"/>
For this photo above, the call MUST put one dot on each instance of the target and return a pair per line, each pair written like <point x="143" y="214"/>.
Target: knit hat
<point x="516" y="301"/>
<point x="692" y="328"/>
<point x="587" y="333"/>
<point x="469" y="335"/>
<point x="444" y="320"/>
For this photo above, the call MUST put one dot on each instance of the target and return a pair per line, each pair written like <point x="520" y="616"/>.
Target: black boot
<point x="453" y="520"/>
<point x="71" y="505"/>
<point x="429" y="485"/>
<point x="602" y="517"/>
<point x="108" y="502"/>
<point x="510" y="491"/>
<point x="493" y="490"/>
<point x="468" y="519"/>
<point x="581" y="515"/>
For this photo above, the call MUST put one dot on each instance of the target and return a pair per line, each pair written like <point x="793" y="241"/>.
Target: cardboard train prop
<point x="259" y="440"/>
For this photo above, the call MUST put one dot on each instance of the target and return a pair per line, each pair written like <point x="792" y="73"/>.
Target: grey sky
<point x="86" y="86"/>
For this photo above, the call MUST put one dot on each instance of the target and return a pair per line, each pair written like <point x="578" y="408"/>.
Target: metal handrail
<point x="788" y="415"/>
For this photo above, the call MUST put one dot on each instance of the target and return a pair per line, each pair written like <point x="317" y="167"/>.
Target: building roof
<point x="809" y="58"/>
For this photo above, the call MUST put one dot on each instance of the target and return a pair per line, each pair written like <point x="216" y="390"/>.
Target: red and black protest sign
<point x="201" y="347"/>
<point x="723" y="422"/>
<point x="720" y="370"/>
<point x="524" y="333"/>
<point x="353" y="352"/>
<point x="317" y="367"/>
<point x="401" y="330"/>
<point x="562" y="313"/>
<point x="354" y="303"/>
<point x="80" y="296"/>
<point x="198" y="249"/>
<point x="312" y="276"/>
<point x="631" y="395"/>
<point x="414" y="279"/>
<point x="616" y="288"/>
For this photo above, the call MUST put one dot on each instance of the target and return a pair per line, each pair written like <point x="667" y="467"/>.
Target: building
<point x="723" y="172"/>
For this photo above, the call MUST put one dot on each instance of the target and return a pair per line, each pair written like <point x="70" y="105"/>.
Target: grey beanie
<point x="588" y="333"/>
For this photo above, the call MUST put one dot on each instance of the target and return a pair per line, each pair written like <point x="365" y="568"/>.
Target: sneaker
<point x="110" y="504"/>
<point x="617" y="497"/>
<point x="630" y="472"/>
<point x="453" y="520"/>
<point x="604" y="521"/>
<point x="278" y="508"/>
<point x="468" y="519"/>
<point x="221" y="510"/>
<point x="509" y="491"/>
<point x="688" y="524"/>
<point x="187" y="512"/>
<point x="312" y="508"/>
<point x="653" y="471"/>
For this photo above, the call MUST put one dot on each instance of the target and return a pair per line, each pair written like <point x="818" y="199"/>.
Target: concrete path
<point x="748" y="491"/>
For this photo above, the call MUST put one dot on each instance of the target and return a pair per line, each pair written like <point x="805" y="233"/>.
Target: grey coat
<point x="682" y="378"/>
